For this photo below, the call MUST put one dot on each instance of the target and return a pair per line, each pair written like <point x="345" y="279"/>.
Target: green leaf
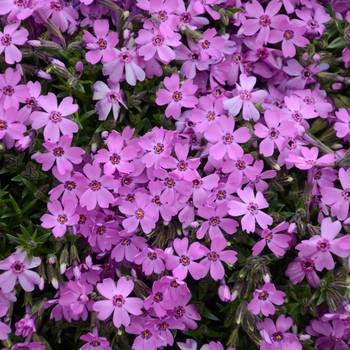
<point x="337" y="43"/>
<point x="207" y="314"/>
<point x="13" y="239"/>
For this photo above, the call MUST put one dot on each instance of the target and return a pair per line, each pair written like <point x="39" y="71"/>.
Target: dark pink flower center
<point x="6" y="40"/>
<point x="158" y="297"/>
<point x="194" y="56"/>
<point x="146" y="334"/>
<point x="169" y="182"/>
<point x="56" y="5"/>
<point x="346" y="194"/>
<point x="31" y="102"/>
<point x="297" y="116"/>
<point x="245" y="95"/>
<point x="114" y="158"/>
<point x="95" y="343"/>
<point x="197" y="183"/>
<point x="182" y="165"/>
<point x="162" y="326"/>
<point x="211" y="116"/>
<point x="8" y="90"/>
<point x="263" y="295"/>
<point x="95" y="185"/>
<point x="288" y="34"/>
<point x="213" y="256"/>
<point x="158" y="40"/>
<point x="17" y="267"/>
<point x="323" y="245"/>
<point x="58" y="152"/>
<point x="185" y="17"/>
<point x="157" y="200"/>
<point x="102" y="43"/>
<point x="55" y="117"/>
<point x="179" y="312"/>
<point x="291" y="144"/>
<point x="273" y="133"/>
<point x="237" y="58"/>
<point x="240" y="165"/>
<point x="163" y="16"/>
<point x="214" y="221"/>
<point x="313" y="24"/>
<point x="185" y="260"/>
<point x="70" y="185"/>
<point x="177" y="96"/>
<point x="308" y="265"/>
<point x="3" y="125"/>
<point x="268" y="238"/>
<point x="278" y="336"/>
<point x="262" y="53"/>
<point x="318" y="175"/>
<point x="205" y="45"/>
<point x="227" y="139"/>
<point x="309" y="100"/>
<point x="264" y="20"/>
<point x="62" y="219"/>
<point x="20" y="3"/>
<point x="125" y="57"/>
<point x="139" y="213"/>
<point x="158" y="148"/>
<point x="152" y="256"/>
<point x="101" y="230"/>
<point x="113" y="97"/>
<point x="125" y="241"/>
<point x="190" y="202"/>
<point x="306" y="73"/>
<point x="221" y="195"/>
<point x="253" y="208"/>
<point x="118" y="300"/>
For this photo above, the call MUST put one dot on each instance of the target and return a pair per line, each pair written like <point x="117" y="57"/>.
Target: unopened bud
<point x="336" y="86"/>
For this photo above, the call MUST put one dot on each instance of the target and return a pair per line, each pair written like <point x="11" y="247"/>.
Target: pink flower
<point x="185" y="262"/>
<point x="278" y="243"/>
<point x="53" y="119"/>
<point x="4" y="328"/>
<point x="10" y="128"/>
<point x="9" y="39"/>
<point x="319" y="248"/>
<point x="98" y="188"/>
<point x="17" y="270"/>
<point x="118" y="302"/>
<point x="176" y="96"/>
<point x="94" y="342"/>
<point x="250" y="208"/>
<point x="61" y="218"/>
<point x="151" y="261"/>
<point x="109" y="98"/>
<point x="225" y="139"/>
<point x="210" y="45"/>
<point x="264" y="300"/>
<point x="127" y="247"/>
<point x="245" y="98"/>
<point x="101" y="46"/>
<point x="342" y="126"/>
<point x="142" y="211"/>
<point x="301" y="267"/>
<point x="25" y="326"/>
<point x="61" y="153"/>
<point x="214" y="256"/>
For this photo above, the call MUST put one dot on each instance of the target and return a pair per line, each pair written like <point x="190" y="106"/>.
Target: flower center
<point x="95" y="185"/>
<point x="297" y="116"/>
<point x="169" y="182"/>
<point x="253" y="208"/>
<point x="17" y="267"/>
<point x="278" y="336"/>
<point x="113" y="97"/>
<point x="102" y="44"/>
<point x="56" y="5"/>
<point x="313" y="24"/>
<point x="264" y="20"/>
<point x="3" y="125"/>
<point x="62" y="219"/>
<point x="177" y="96"/>
<point x="95" y="343"/>
<point x="8" y="90"/>
<point x="263" y="295"/>
<point x="6" y="40"/>
<point x="130" y="198"/>
<point x="69" y="185"/>
<point x="158" y="40"/>
<point x="262" y="53"/>
<point x="118" y="300"/>
<point x="126" y="241"/>
<point x="268" y="238"/>
<point x="214" y="221"/>
<point x="101" y="230"/>
<point x="323" y="245"/>
<point x="159" y="148"/>
<point x="221" y="195"/>
<point x="158" y="297"/>
<point x="228" y="138"/>
<point x="346" y="194"/>
<point x="184" y="260"/>
<point x="306" y="74"/>
<point x="213" y="256"/>
<point x="82" y="219"/>
<point x="195" y="56"/>
<point x="288" y="34"/>
<point x="55" y="117"/>
<point x="162" y="15"/>
<point x="58" y="152"/>
<point x="114" y="159"/>
<point x="146" y="334"/>
<point x="240" y="165"/>
<point x="245" y="95"/>
<point x="163" y="326"/>
<point x="139" y="213"/>
<point x="125" y="57"/>
<point x="152" y="255"/>
<point x="273" y="133"/>
<point x="185" y="17"/>
<point x="205" y="44"/>
<point x="157" y="200"/>
<point x="179" y="312"/>
<point x="182" y="165"/>
<point x="308" y="265"/>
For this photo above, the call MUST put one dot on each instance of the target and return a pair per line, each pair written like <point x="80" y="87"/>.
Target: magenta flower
<point x="189" y="18"/>
<point x="118" y="302"/>
<point x="261" y="20"/>
<point x="98" y="188"/>
<point x="225" y="139"/>
<point x="277" y="242"/>
<point x="314" y="23"/>
<point x="94" y="342"/>
<point x="10" y="127"/>
<point x="275" y="336"/>
<point x="154" y="43"/>
<point x="142" y="211"/>
<point x="61" y="218"/>
<point x="53" y="119"/>
<point x="127" y="247"/>
<point x="255" y="177"/>
<point x="342" y="126"/>
<point x="117" y="156"/>
<point x="185" y="262"/>
<point x="338" y="199"/>
<point x="25" y="326"/>
<point x="214" y="256"/>
<point x="152" y="260"/>
<point x="319" y="248"/>
<point x="176" y="96"/>
<point x="299" y="268"/>
<point x="250" y="208"/>
<point x="245" y="98"/>
<point x="290" y="35"/>
<point x="216" y="221"/>
<point x="9" y="39"/>
<point x="264" y="300"/>
<point x="127" y="60"/>
<point x="109" y="99"/>
<point x="210" y="45"/>
<point x="61" y="153"/>
<point x="17" y="270"/>
<point x="101" y="46"/>
<point x="4" y="328"/>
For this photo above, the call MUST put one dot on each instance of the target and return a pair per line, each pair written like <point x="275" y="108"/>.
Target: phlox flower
<point x="126" y="60"/>
<point x="216" y="221"/>
<point x="338" y="199"/>
<point x="214" y="256"/>
<point x="250" y="208"/>
<point x="300" y="268"/>
<point x="185" y="262"/>
<point x="141" y="211"/>
<point x="53" y="119"/>
<point x="92" y="13"/>
<point x="176" y="95"/>
<point x="214" y="346"/>
<point x="127" y="246"/>
<point x="342" y="125"/>
<point x="60" y="153"/>
<point x="245" y="99"/>
<point x="117" y="156"/>
<point x="163" y="327"/>
<point x="152" y="260"/>
<point x="202" y="6"/>
<point x="10" y="127"/>
<point x="211" y="45"/>
<point x="25" y="326"/>
<point x="94" y="342"/>
<point x="101" y="46"/>
<point x="117" y="301"/>
<point x="189" y="17"/>
<point x="225" y="140"/>
<point x="275" y="239"/>
<point x="256" y="177"/>
<point x="4" y="328"/>
<point x="98" y="188"/>
<point x="201" y="188"/>
<point x="275" y="336"/>
<point x="60" y="217"/>
<point x="319" y="248"/>
<point x="110" y="97"/>
<point x="260" y="20"/>
<point x="291" y="35"/>
<point x="264" y="300"/>
<point x="17" y="269"/>
<point x="9" y="39"/>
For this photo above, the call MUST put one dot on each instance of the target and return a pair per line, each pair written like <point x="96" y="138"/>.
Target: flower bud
<point x="41" y="74"/>
<point x="25" y="326"/>
<point x="336" y="86"/>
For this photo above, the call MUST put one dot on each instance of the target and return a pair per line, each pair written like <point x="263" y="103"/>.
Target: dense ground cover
<point x="174" y="174"/>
